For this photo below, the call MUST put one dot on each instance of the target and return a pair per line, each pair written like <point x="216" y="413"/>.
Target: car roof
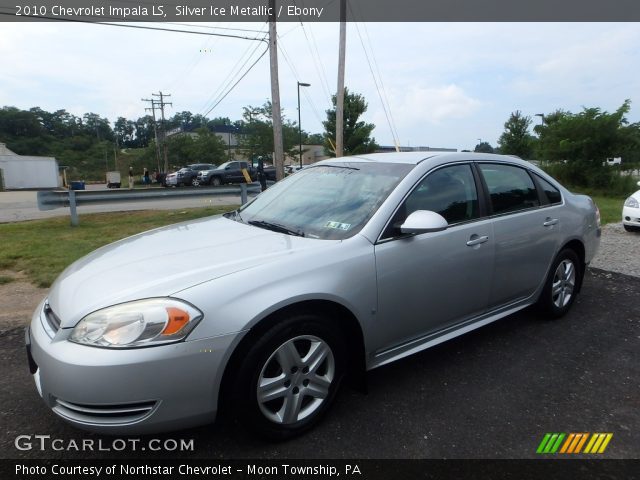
<point x="414" y="158"/>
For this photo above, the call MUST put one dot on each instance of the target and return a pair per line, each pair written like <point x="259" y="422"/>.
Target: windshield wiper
<point x="339" y="166"/>
<point x="275" y="227"/>
<point x="235" y="215"/>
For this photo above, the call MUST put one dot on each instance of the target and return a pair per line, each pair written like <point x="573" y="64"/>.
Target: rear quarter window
<point x="551" y="193"/>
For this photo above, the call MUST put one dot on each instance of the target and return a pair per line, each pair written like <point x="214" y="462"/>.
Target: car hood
<point x="164" y="261"/>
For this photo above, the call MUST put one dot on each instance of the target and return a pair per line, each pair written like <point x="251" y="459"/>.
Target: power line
<point x="229" y="83"/>
<point x="210" y="27"/>
<point x="384" y="91"/>
<point x="322" y="74"/>
<point x="375" y="82"/>
<point x="139" y="27"/>
<point x="297" y="77"/>
<point x="236" y="83"/>
<point x="195" y="60"/>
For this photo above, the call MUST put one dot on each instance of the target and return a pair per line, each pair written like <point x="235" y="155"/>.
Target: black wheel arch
<point x="338" y="315"/>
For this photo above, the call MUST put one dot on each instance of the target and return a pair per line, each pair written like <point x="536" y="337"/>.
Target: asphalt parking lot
<point x="493" y="393"/>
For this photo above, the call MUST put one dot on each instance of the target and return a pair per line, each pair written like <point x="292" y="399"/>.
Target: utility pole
<point x="278" y="147"/>
<point x="340" y="93"/>
<point x="155" y="129"/>
<point x="163" y="129"/>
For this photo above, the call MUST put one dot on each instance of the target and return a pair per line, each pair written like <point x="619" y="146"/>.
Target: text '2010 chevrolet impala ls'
<point x="343" y="267"/>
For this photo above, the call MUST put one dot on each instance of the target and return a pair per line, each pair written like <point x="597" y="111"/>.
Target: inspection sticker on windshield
<point x="338" y="225"/>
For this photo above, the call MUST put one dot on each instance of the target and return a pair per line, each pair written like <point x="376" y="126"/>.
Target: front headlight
<point x="142" y="323"/>
<point x="631" y="202"/>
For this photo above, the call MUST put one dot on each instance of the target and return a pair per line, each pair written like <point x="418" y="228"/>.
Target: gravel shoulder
<point x="619" y="251"/>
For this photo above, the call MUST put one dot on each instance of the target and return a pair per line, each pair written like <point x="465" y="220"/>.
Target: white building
<point x="22" y="172"/>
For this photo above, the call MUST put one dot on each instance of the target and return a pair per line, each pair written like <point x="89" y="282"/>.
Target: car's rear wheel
<point x="289" y="378"/>
<point x="561" y="287"/>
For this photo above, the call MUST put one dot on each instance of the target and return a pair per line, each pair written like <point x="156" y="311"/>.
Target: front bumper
<point x="631" y="216"/>
<point x="127" y="391"/>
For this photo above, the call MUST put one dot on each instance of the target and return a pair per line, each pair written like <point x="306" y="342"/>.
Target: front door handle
<point x="548" y="222"/>
<point x="476" y="240"/>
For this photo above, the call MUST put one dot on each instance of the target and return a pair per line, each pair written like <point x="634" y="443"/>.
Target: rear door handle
<point x="550" y="221"/>
<point x="476" y="240"/>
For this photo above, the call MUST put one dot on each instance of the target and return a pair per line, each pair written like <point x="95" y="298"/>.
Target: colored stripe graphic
<point x="598" y="443"/>
<point x="552" y="442"/>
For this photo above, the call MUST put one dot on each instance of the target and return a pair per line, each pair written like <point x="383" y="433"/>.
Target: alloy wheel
<point x="564" y="282"/>
<point x="295" y="380"/>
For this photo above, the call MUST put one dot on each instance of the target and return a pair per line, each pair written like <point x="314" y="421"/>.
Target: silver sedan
<point x="259" y="315"/>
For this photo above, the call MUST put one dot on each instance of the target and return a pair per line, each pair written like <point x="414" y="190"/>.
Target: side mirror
<point x="228" y="167"/>
<point x="423" y="221"/>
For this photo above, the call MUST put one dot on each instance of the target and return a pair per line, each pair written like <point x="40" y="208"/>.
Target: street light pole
<point x="299" y="120"/>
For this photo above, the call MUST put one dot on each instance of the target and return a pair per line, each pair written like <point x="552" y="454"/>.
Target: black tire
<point x="215" y="181"/>
<point x="631" y="228"/>
<point x="553" y="301"/>
<point x="299" y="385"/>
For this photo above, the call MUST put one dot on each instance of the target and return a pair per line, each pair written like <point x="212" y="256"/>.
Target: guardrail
<point x="49" y="200"/>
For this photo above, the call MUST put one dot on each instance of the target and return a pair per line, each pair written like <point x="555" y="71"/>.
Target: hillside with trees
<point x="91" y="144"/>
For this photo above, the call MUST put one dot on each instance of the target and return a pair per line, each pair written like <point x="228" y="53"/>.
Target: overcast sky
<point x="447" y="84"/>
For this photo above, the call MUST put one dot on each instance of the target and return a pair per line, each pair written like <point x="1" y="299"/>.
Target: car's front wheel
<point x="561" y="286"/>
<point x="290" y="377"/>
<point x="215" y="181"/>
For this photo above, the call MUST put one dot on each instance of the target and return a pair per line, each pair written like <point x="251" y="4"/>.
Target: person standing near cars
<point x="131" y="181"/>
<point x="145" y="177"/>
<point x="261" y="176"/>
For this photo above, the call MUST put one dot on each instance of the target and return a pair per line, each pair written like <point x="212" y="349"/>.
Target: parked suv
<point x="229" y="172"/>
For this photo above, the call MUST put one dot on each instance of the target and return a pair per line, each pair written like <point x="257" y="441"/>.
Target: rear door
<point x="526" y="229"/>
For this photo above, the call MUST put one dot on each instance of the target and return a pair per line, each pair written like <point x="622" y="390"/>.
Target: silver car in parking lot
<point x="350" y="264"/>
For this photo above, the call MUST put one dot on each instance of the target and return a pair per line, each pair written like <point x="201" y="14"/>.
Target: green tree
<point x="589" y="136"/>
<point x="579" y="144"/>
<point x="357" y="134"/>
<point x="516" y="139"/>
<point x="257" y="128"/>
<point x="124" y="131"/>
<point x="483" y="147"/>
<point x="314" y="139"/>
<point x="200" y="147"/>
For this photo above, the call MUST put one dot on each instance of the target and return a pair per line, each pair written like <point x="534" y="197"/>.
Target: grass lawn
<point x="610" y="208"/>
<point x="41" y="249"/>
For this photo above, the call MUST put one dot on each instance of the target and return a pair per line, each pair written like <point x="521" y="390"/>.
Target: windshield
<point x="325" y="201"/>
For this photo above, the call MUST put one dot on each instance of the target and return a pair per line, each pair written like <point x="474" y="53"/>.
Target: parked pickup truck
<point x="229" y="172"/>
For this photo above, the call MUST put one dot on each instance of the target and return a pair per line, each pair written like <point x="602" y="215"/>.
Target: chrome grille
<point x="104" y="414"/>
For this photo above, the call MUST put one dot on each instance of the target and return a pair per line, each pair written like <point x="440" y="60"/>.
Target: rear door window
<point x="511" y="189"/>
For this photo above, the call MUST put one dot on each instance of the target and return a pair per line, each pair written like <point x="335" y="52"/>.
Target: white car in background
<point x="631" y="212"/>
